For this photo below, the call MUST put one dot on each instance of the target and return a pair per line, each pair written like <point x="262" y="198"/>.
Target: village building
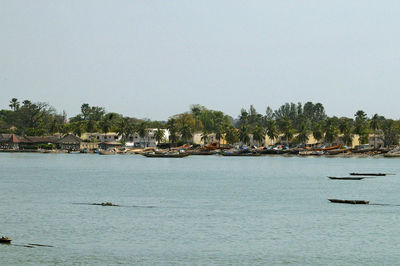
<point x="150" y="140"/>
<point x="101" y="137"/>
<point x="89" y="146"/>
<point x="70" y="142"/>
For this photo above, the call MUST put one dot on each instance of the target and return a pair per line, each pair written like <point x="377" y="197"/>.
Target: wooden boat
<point x="345" y="178"/>
<point x="240" y="154"/>
<point x="349" y="201"/>
<point x="202" y="152"/>
<point x="5" y="240"/>
<point x="391" y="155"/>
<point x="106" y="152"/>
<point x="368" y="174"/>
<point x="327" y="148"/>
<point x="166" y="155"/>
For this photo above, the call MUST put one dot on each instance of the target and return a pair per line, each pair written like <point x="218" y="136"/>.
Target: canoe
<point x="391" y="155"/>
<point x="240" y="154"/>
<point x="202" y="152"/>
<point x="349" y="201"/>
<point x="369" y="174"/>
<point x="345" y="178"/>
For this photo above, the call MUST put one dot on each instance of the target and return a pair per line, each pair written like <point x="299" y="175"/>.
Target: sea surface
<point x="199" y="210"/>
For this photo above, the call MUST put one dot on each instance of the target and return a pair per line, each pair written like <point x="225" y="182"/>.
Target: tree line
<point x="289" y="124"/>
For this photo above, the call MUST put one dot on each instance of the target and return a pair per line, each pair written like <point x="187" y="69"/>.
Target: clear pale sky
<point x="154" y="58"/>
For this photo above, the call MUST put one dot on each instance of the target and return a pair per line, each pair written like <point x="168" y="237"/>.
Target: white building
<point x="149" y="141"/>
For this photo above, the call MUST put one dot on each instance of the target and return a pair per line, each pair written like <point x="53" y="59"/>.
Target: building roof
<point x="70" y="139"/>
<point x="12" y="138"/>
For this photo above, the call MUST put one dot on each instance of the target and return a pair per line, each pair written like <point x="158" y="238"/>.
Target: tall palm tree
<point x="186" y="132"/>
<point x="244" y="134"/>
<point x="331" y="130"/>
<point x="258" y="135"/>
<point x="272" y="131"/>
<point x="375" y="125"/>
<point x="287" y="129"/>
<point x="231" y="135"/>
<point x="159" y="135"/>
<point x="317" y="131"/>
<point x="172" y="127"/>
<point x="14" y="104"/>
<point x="303" y="133"/>
<point x="143" y="132"/>
<point x="204" y="136"/>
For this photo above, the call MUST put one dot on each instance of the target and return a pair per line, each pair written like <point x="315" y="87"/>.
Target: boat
<point x="106" y="152"/>
<point x="391" y="155"/>
<point x="5" y="240"/>
<point x="349" y="201"/>
<point x="202" y="152"/>
<point x="166" y="155"/>
<point x="345" y="178"/>
<point x="368" y="174"/>
<point x="240" y="154"/>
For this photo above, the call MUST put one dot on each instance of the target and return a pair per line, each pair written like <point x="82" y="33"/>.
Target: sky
<point x="152" y="59"/>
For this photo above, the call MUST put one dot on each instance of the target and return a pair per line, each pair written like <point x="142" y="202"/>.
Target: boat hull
<point x="349" y="201"/>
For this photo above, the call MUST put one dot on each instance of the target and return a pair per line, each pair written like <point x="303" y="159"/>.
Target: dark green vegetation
<point x="293" y="122"/>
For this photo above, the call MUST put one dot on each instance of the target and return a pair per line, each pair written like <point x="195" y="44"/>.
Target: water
<point x="196" y="211"/>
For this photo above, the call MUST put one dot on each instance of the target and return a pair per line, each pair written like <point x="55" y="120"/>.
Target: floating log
<point x="345" y="178"/>
<point x="369" y="174"/>
<point x="349" y="201"/>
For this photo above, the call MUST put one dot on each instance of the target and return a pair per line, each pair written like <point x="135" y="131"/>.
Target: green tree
<point x="159" y="135"/>
<point x="244" y="134"/>
<point x="258" y="135"/>
<point x="271" y="130"/>
<point x="231" y="135"/>
<point x="14" y="104"/>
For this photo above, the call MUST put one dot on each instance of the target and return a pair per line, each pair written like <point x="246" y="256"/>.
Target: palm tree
<point x="124" y="128"/>
<point x="231" y="135"/>
<point x="159" y="135"/>
<point x="218" y="134"/>
<point x="171" y="125"/>
<point x="272" y="131"/>
<point x="303" y="133"/>
<point x="186" y="132"/>
<point x="244" y="134"/>
<point x="14" y="104"/>
<point x="375" y="125"/>
<point x="390" y="133"/>
<point x="331" y="131"/>
<point x="204" y="136"/>
<point x="258" y="135"/>
<point x="142" y="131"/>
<point x="287" y="129"/>
<point x="317" y="131"/>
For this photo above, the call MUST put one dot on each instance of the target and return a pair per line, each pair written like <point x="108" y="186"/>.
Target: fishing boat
<point x="368" y="174"/>
<point x="349" y="201"/>
<point x="202" y="152"/>
<point x="166" y="155"/>
<point x="345" y="178"/>
<point x="391" y="155"/>
<point x="106" y="152"/>
<point x="5" y="240"/>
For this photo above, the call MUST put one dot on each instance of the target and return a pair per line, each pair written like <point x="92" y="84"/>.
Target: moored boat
<point x="106" y="152"/>
<point x="368" y="174"/>
<point x="345" y="178"/>
<point x="349" y="201"/>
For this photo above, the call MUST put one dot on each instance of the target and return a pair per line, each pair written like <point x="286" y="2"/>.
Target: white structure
<point x="149" y="141"/>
